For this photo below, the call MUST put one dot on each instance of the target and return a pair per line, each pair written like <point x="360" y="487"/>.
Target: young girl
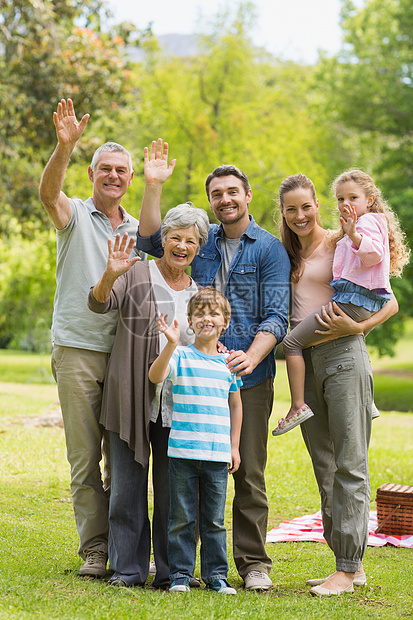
<point x="369" y="249"/>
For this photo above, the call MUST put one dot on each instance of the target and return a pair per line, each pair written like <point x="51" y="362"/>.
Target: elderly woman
<point x="136" y="413"/>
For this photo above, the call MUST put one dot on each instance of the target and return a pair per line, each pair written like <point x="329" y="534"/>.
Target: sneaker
<point x="257" y="580"/>
<point x="180" y="584"/>
<point x="152" y="568"/>
<point x="286" y="424"/>
<point x="194" y="582"/>
<point x="220" y="586"/>
<point x="95" y="564"/>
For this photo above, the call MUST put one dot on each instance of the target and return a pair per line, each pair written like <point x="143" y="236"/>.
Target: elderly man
<point x="82" y="341"/>
<point x="251" y="267"/>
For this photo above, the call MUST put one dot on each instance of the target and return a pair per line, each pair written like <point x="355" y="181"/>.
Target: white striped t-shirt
<point x="200" y="420"/>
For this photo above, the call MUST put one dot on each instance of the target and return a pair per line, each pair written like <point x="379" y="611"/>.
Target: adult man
<point x="251" y="267"/>
<point x="82" y="341"/>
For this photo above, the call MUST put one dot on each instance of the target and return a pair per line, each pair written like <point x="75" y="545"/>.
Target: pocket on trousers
<point x="57" y="359"/>
<point x="342" y="367"/>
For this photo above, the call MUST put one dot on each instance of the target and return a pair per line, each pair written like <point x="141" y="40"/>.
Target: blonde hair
<point x="212" y="298"/>
<point x="399" y="251"/>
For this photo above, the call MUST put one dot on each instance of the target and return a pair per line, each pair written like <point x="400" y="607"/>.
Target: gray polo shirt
<point x="82" y="252"/>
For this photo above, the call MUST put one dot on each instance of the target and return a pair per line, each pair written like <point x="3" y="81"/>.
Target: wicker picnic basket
<point x="394" y="509"/>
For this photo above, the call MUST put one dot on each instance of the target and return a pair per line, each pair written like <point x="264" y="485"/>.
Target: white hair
<point x="184" y="216"/>
<point x="112" y="147"/>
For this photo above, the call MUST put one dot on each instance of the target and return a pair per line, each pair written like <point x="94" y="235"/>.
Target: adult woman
<point x="339" y="388"/>
<point x="135" y="414"/>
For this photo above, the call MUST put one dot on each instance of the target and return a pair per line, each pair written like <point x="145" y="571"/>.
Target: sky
<point x="289" y="29"/>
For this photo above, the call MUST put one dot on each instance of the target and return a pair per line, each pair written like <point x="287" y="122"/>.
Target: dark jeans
<point x="186" y="478"/>
<point x="129" y="527"/>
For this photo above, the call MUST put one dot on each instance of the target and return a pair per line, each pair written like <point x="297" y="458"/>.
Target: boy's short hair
<point x="209" y="296"/>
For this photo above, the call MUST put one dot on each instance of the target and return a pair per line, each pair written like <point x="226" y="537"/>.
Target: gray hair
<point x="112" y="147"/>
<point x="184" y="216"/>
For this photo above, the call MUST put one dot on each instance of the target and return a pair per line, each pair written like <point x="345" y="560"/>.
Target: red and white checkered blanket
<point x="310" y="528"/>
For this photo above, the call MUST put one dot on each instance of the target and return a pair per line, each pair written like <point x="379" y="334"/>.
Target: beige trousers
<point x="79" y="374"/>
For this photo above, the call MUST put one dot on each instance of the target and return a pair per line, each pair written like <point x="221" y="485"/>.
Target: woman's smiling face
<point x="300" y="211"/>
<point x="180" y="247"/>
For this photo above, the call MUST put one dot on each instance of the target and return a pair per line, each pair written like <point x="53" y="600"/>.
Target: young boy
<point x="203" y="442"/>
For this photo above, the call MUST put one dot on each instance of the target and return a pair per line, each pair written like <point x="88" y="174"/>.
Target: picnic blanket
<point x="310" y="528"/>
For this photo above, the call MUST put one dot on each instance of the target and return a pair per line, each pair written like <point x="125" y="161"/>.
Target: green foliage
<point x="230" y="103"/>
<point x="368" y="88"/>
<point x="49" y="49"/>
<point x="47" y="56"/>
<point x="375" y="67"/>
<point x="27" y="282"/>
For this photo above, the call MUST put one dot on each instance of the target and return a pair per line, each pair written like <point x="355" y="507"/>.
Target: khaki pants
<point x="250" y="505"/>
<point x="79" y="374"/>
<point x="339" y="390"/>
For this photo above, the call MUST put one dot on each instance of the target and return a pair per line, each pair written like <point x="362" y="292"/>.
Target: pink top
<point x="368" y="265"/>
<point x="313" y="289"/>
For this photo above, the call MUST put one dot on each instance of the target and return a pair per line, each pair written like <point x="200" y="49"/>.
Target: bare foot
<point x="339" y="580"/>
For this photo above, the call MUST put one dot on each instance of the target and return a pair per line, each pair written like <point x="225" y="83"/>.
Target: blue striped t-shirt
<point x="201" y="419"/>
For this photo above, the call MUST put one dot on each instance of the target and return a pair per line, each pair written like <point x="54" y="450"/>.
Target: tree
<point x="231" y="103"/>
<point x="47" y="56"/>
<point x="368" y="89"/>
<point x="27" y="283"/>
<point x="49" y="49"/>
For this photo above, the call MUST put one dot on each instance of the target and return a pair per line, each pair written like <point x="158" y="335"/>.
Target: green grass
<point x="38" y="540"/>
<point x="393" y="376"/>
<point x="403" y="359"/>
<point x="393" y="392"/>
<point x="22" y="367"/>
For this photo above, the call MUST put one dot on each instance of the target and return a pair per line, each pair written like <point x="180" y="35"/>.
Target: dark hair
<point x="225" y="171"/>
<point x="211" y="297"/>
<point x="288" y="237"/>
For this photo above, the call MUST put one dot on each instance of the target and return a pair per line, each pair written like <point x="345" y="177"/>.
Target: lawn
<point x="393" y="376"/>
<point x="22" y="367"/>
<point x="38" y="541"/>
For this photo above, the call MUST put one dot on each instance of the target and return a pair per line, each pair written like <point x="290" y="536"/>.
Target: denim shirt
<point x="257" y="288"/>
